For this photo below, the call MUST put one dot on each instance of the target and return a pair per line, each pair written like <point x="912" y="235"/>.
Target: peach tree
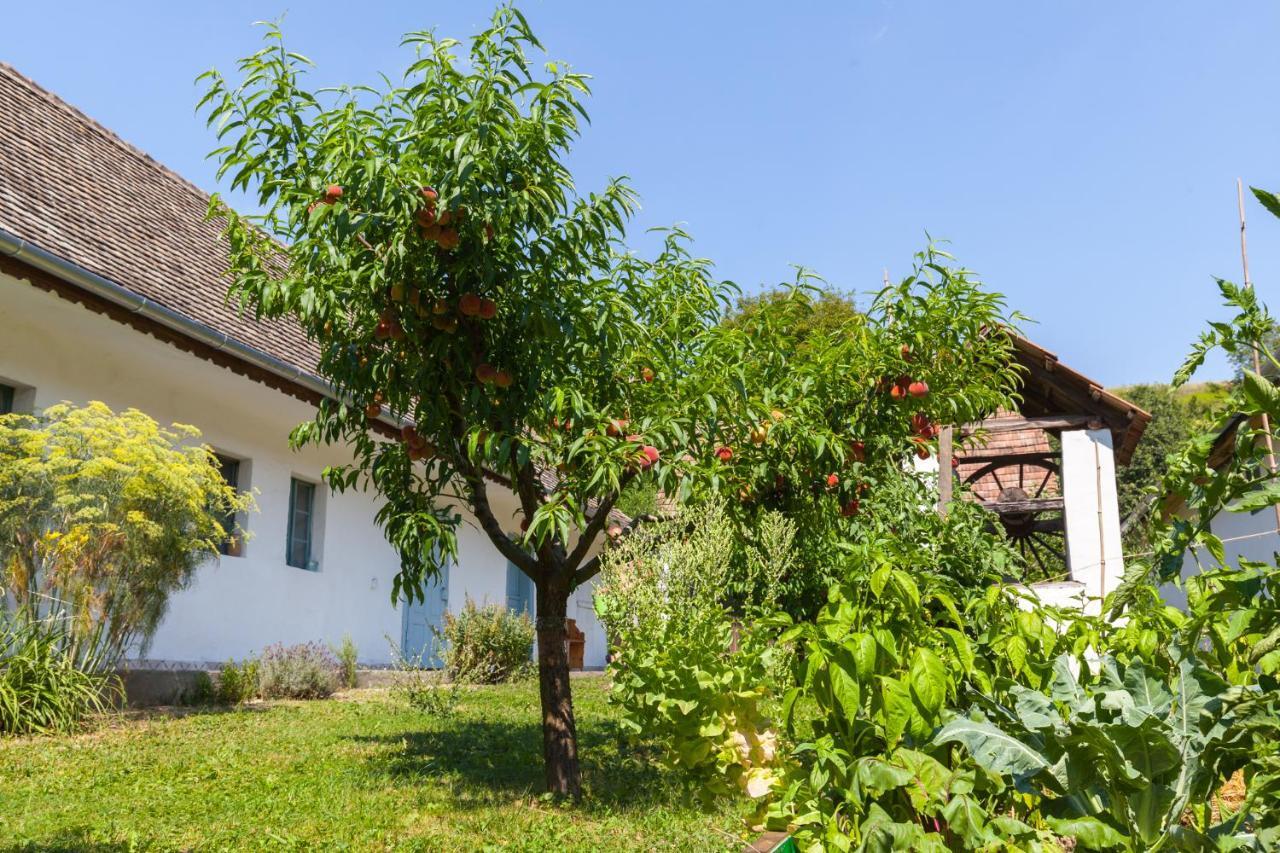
<point x="478" y="317"/>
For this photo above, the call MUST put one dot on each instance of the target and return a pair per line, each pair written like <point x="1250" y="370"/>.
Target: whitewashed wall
<point x="238" y="605"/>
<point x="1247" y="535"/>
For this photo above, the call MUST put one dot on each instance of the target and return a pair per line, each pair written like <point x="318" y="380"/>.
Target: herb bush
<point x="238" y="682"/>
<point x="348" y="661"/>
<point x="487" y="645"/>
<point x="304" y="671"/>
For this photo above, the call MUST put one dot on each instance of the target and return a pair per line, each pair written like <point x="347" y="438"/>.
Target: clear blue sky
<point x="1081" y="156"/>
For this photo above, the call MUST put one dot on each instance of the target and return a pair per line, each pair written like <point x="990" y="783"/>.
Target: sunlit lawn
<point x="360" y="772"/>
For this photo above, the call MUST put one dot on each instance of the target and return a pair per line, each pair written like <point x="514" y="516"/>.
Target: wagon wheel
<point x="1038" y="533"/>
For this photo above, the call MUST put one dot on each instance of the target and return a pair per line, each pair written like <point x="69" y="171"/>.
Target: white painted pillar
<point x="1092" y="513"/>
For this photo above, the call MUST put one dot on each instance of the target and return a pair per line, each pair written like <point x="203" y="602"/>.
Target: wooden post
<point x="1257" y="359"/>
<point x="946" y="476"/>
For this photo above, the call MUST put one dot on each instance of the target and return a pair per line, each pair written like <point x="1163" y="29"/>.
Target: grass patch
<point x="358" y="772"/>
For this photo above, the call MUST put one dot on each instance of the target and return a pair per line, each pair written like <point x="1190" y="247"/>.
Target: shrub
<point x="348" y="656"/>
<point x="690" y="673"/>
<point x="202" y="692"/>
<point x="487" y="645"/>
<point x="304" y="671"/>
<point x="238" y="682"/>
<point x="102" y="516"/>
<point x="42" y="688"/>
<point x="421" y="688"/>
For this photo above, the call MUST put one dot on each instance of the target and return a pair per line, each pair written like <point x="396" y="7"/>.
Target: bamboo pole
<point x="1257" y="359"/>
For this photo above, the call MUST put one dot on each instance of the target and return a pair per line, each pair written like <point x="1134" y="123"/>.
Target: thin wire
<point x="1192" y="548"/>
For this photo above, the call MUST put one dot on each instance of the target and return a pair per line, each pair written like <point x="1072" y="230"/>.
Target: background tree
<point x="102" y="517"/>
<point x="1176" y="415"/>
<point x="843" y="400"/>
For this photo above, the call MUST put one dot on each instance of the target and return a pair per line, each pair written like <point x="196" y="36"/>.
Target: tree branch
<point x="492" y="527"/>
<point x="598" y="521"/>
<point x="585" y="572"/>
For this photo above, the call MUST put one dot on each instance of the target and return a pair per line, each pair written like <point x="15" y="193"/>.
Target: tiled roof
<point x="76" y="190"/>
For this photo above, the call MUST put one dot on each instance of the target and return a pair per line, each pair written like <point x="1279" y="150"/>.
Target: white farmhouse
<point x="112" y="288"/>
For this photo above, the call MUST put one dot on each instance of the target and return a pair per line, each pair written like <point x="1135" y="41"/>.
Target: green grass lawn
<point x="359" y="772"/>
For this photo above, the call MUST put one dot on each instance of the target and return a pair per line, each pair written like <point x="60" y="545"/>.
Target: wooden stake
<point x="946" y="476"/>
<point x="1257" y="359"/>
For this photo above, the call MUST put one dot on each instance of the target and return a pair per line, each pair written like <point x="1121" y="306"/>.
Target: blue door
<point x="423" y="621"/>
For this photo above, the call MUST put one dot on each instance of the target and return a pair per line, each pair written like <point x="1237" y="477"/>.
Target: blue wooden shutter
<point x="519" y="590"/>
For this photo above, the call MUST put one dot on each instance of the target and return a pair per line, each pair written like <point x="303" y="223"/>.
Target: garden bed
<point x="360" y="771"/>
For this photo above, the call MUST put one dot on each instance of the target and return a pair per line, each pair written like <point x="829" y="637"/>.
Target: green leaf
<point x="992" y="748"/>
<point x="1092" y="833"/>
<point x="1259" y="391"/>
<point x="928" y="679"/>
<point x="1269" y="200"/>
<point x="966" y="818"/>
<point x="876" y="775"/>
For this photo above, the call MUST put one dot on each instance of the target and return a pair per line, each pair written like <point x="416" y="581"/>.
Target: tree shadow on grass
<point x="486" y="760"/>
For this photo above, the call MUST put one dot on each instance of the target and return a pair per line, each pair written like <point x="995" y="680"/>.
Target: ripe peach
<point x="448" y="239"/>
<point x="918" y="389"/>
<point x="502" y="379"/>
<point x="650" y="453"/>
<point x="858" y="450"/>
<point x="922" y="451"/>
<point x="897" y="393"/>
<point x="616" y="427"/>
<point x="647" y="374"/>
<point x="849" y="509"/>
<point x="485" y="372"/>
<point x="488" y="309"/>
<point x="429" y="195"/>
<point x="333" y="193"/>
<point x="408" y="434"/>
<point x="833" y="480"/>
<point x="426" y="217"/>
<point x="469" y="305"/>
<point x="724" y="453"/>
<point x="373" y="410"/>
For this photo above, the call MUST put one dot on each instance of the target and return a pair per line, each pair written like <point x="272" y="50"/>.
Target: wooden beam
<point x="1051" y="422"/>
<point x="1032" y="505"/>
<point x="1011" y="458"/>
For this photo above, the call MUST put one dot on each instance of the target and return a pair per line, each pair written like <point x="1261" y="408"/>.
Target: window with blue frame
<point x="230" y="470"/>
<point x="298" y="540"/>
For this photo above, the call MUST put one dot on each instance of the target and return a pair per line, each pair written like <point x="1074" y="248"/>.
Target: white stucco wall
<point x="238" y="605"/>
<point x="1247" y="535"/>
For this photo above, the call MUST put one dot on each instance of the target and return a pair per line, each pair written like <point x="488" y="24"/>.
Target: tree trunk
<point x="559" y="732"/>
